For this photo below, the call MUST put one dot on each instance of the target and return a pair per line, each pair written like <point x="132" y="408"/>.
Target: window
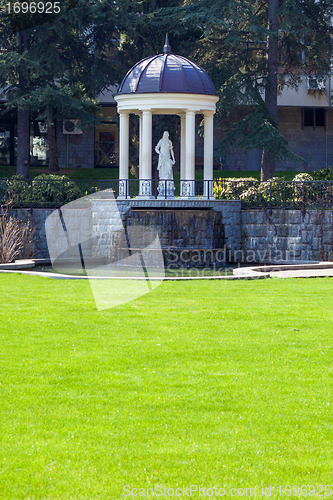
<point x="320" y="117"/>
<point x="106" y="138"/>
<point x="308" y="117"/>
<point x="39" y="144"/>
<point x="8" y="142"/>
<point x="314" y="117"/>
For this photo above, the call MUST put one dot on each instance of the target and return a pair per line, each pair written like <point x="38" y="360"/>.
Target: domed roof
<point x="167" y="73"/>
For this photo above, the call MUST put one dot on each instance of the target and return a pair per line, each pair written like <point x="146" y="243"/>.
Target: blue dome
<point x="167" y="73"/>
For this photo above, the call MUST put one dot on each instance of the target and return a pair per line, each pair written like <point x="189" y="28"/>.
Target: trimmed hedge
<point x="46" y="189"/>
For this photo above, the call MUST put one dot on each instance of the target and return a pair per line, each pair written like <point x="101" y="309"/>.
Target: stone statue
<point x="166" y="158"/>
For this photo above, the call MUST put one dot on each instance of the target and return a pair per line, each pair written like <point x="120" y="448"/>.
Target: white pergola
<point x="186" y="107"/>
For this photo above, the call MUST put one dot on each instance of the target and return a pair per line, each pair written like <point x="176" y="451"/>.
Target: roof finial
<point x="166" y="48"/>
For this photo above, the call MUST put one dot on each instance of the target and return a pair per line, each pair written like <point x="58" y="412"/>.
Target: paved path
<point x="311" y="270"/>
<point x="303" y="273"/>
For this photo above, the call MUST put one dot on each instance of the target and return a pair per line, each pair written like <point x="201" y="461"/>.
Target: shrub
<point x="325" y="174"/>
<point x="18" y="190"/>
<point x="233" y="188"/>
<point x="260" y="193"/>
<point x="303" y="177"/>
<point x="54" y="189"/>
<point x="302" y="187"/>
<point x="46" y="189"/>
<point x="274" y="188"/>
<point x="252" y="195"/>
<point x="302" y="190"/>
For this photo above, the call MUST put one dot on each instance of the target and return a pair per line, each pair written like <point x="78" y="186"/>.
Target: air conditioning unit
<point x="71" y="127"/>
<point x="314" y="84"/>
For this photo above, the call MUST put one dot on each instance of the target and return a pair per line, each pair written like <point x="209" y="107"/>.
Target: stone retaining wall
<point x="37" y="216"/>
<point x="103" y="216"/>
<point x="286" y="235"/>
<point x="252" y="236"/>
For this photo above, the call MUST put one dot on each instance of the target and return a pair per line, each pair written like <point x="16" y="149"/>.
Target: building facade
<point x="305" y="118"/>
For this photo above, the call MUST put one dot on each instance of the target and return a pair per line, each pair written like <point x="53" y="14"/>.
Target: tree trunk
<point x="23" y="119"/>
<point x="268" y="159"/>
<point x="23" y="143"/>
<point x="53" y="152"/>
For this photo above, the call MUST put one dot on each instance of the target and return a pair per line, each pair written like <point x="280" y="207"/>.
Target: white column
<point x="208" y="153"/>
<point x="146" y="152"/>
<point x="140" y="141"/>
<point x="123" y="153"/>
<point x="182" y="146"/>
<point x="188" y="187"/>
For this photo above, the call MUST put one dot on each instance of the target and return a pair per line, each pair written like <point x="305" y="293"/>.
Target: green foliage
<point x="65" y="64"/>
<point x="144" y="35"/>
<point x="261" y="192"/>
<point x="233" y="188"/>
<point x="17" y="190"/>
<point x="112" y="173"/>
<point x="325" y="174"/>
<point x="233" y="48"/>
<point x="303" y="176"/>
<point x="274" y="188"/>
<point x="47" y="190"/>
<point x="54" y="189"/>
<point x="276" y="192"/>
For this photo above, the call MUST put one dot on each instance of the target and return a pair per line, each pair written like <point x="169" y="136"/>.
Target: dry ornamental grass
<point x="16" y="238"/>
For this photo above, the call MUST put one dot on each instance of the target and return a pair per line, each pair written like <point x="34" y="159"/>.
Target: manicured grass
<point x="112" y="173"/>
<point x="78" y="173"/>
<point x="251" y="173"/>
<point x="204" y="383"/>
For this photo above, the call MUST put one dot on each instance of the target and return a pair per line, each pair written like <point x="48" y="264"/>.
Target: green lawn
<point x="112" y="173"/>
<point x="78" y="173"/>
<point x="205" y="383"/>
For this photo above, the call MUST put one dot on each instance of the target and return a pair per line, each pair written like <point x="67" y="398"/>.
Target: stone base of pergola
<point x="187" y="190"/>
<point x="186" y="106"/>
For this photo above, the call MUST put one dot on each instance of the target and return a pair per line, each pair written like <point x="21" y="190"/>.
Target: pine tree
<point x="23" y="115"/>
<point x="60" y="67"/>
<point x="146" y="35"/>
<point x="240" y="45"/>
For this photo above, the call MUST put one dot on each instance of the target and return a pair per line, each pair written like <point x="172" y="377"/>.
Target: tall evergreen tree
<point x="145" y="37"/>
<point x="252" y="49"/>
<point x="23" y="115"/>
<point x="60" y="67"/>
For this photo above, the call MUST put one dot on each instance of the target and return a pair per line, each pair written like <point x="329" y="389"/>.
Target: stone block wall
<point x="252" y="236"/>
<point x="37" y="217"/>
<point x="286" y="235"/>
<point x="79" y="227"/>
<point x="231" y="216"/>
<point x="104" y="216"/>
